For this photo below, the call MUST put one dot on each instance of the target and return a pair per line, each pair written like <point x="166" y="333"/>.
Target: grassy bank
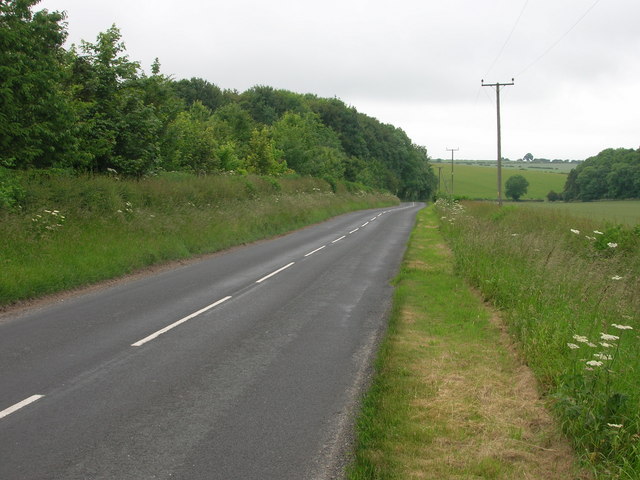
<point x="450" y="399"/>
<point x="65" y="232"/>
<point x="568" y="288"/>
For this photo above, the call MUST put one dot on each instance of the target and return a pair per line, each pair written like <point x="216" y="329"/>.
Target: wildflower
<point x="616" y="277"/>
<point x="594" y="363"/>
<point x="622" y="327"/>
<point x="514" y="234"/>
<point x="577" y="232"/>
<point x="612" y="245"/>
<point x="597" y="232"/>
<point x="614" y="425"/>
<point x="592" y="345"/>
<point x="572" y="346"/>
<point x="581" y="339"/>
<point x="589" y="238"/>
<point x="606" y="336"/>
<point x="603" y="356"/>
<point x="606" y="345"/>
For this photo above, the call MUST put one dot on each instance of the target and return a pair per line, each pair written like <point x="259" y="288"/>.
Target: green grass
<point x="70" y="231"/>
<point x="617" y="212"/>
<point x="480" y="182"/>
<point x="562" y="282"/>
<point x="449" y="399"/>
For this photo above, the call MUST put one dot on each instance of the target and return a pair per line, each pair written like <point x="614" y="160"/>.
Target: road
<point x="244" y="365"/>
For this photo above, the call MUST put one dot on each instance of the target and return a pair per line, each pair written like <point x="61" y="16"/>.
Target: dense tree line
<point x="612" y="174"/>
<point x="90" y="108"/>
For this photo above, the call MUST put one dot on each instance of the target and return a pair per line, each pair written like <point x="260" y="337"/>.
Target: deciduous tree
<point x="516" y="186"/>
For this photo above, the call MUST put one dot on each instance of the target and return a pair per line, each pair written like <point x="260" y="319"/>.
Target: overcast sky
<point x="416" y="64"/>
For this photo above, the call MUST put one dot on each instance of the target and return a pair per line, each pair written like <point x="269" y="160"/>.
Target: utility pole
<point x="498" y="85"/>
<point x="452" y="150"/>
<point x="439" y="178"/>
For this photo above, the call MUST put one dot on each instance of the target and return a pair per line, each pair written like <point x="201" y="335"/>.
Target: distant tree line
<point x="90" y="108"/>
<point x="612" y="174"/>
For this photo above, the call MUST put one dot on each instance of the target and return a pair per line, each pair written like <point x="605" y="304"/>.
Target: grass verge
<point x="450" y="399"/>
<point x="567" y="288"/>
<point x="73" y="231"/>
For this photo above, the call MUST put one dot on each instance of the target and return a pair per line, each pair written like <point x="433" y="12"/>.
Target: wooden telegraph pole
<point x="498" y="85"/>
<point x="452" y="150"/>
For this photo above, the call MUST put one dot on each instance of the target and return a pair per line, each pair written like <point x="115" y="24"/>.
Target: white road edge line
<point x="175" y="324"/>
<point x="274" y="273"/>
<point x="364" y="224"/>
<point x="353" y="231"/>
<point x="371" y="220"/>
<point x="338" y="239"/>
<point x="314" y="251"/>
<point x="8" y="411"/>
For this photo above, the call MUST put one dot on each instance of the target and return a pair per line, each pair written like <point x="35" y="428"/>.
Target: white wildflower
<point x="572" y="346"/>
<point x="614" y="425"/>
<point x="603" y="356"/>
<point x="594" y="363"/>
<point x="606" y="336"/>
<point x="592" y="345"/>
<point x="606" y="345"/>
<point x="577" y="232"/>
<point x="612" y="245"/>
<point x="622" y="327"/>
<point x="616" y="277"/>
<point x="589" y="238"/>
<point x="597" y="232"/>
<point x="581" y="339"/>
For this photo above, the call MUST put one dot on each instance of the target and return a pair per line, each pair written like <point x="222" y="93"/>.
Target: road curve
<point x="245" y="365"/>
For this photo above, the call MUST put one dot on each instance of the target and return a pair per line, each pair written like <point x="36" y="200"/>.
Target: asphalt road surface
<point x="245" y="365"/>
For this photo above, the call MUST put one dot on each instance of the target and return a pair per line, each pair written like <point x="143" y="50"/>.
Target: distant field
<point x="475" y="181"/>
<point x="623" y="211"/>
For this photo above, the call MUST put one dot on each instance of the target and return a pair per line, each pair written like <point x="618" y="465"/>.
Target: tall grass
<point x="569" y="289"/>
<point x="70" y="231"/>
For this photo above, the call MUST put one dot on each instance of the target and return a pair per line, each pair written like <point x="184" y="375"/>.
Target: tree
<point x="36" y="120"/>
<point x="309" y="147"/>
<point x="553" y="196"/>
<point x="113" y="122"/>
<point x="193" y="145"/>
<point x="592" y="183"/>
<point x="199" y="90"/>
<point x="613" y="173"/>
<point x="263" y="157"/>
<point x="528" y="157"/>
<point x="516" y="186"/>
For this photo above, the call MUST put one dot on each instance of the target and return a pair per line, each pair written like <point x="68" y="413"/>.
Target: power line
<point x="562" y="37"/>
<point x="504" y="45"/>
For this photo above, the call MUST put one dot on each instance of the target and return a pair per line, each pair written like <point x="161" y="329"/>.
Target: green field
<point x="618" y="212"/>
<point x="480" y="182"/>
